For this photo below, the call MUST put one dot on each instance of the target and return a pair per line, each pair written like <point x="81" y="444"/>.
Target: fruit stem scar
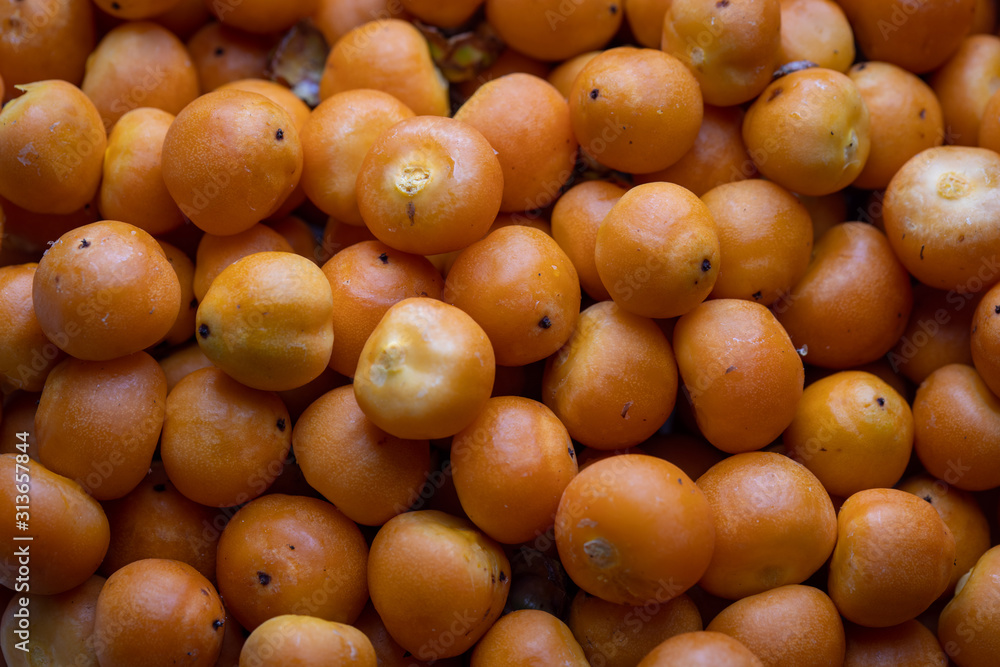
<point x="601" y="552"/>
<point x="390" y="360"/>
<point x="412" y="179"/>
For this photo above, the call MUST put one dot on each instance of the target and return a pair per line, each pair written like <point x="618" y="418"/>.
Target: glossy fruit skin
<point x="894" y="557"/>
<point x="527" y="637"/>
<point x="678" y="259"/>
<point x="853" y="302"/>
<point x="223" y="443"/>
<point x="510" y="466"/>
<point x="576" y="217"/>
<point x="956" y="428"/>
<point x="975" y="606"/>
<point x="369" y="475"/>
<point x="788" y="129"/>
<point x="766" y="506"/>
<point x="519" y="285"/>
<point x="786" y="625"/>
<point x="909" y="642"/>
<point x="727" y="349"/>
<point x="818" y="31"/>
<point x="69" y="528"/>
<point x="282" y="554"/>
<point x="985" y="339"/>
<point x="97" y="314"/>
<point x="306" y="641"/>
<point x="853" y="431"/>
<point x="543" y="30"/>
<point x="430" y="185"/>
<point x="51" y="171"/>
<point x="655" y="549"/>
<point x="938" y="212"/>
<point x="155" y="610"/>
<point x="98" y="422"/>
<point x="422" y="342"/>
<point x="267" y="320"/>
<point x="215" y="253"/>
<point x="26" y="355"/>
<point x="428" y="571"/>
<point x="636" y="110"/>
<point x="939" y="333"/>
<point x="614" y="383"/>
<point x="701" y="649"/>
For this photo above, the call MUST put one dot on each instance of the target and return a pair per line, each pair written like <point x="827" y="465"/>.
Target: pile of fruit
<point x="500" y="332"/>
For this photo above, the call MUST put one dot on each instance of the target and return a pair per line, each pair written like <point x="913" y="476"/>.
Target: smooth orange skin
<point x="335" y="18"/>
<point x="388" y="651"/>
<point x="428" y="570"/>
<point x="521" y="288"/>
<point x="335" y="140"/>
<point x="52" y="143"/>
<point x="963" y="516"/>
<point x="633" y="528"/>
<point x="546" y="31"/>
<point x="365" y="286"/>
<point x="182" y="265"/>
<point x="292" y="640"/>
<point x="691" y="454"/>
<point x="527" y="122"/>
<point x="620" y="635"/>
<point x="279" y="94"/>
<point x="718" y="155"/>
<point x="18" y="416"/>
<point x="984" y="19"/>
<point x="909" y="643"/>
<point x="69" y="528"/>
<point x="284" y="554"/>
<point x="967" y="627"/>
<point x="788" y="625"/>
<point x="105" y="290"/>
<point x="299" y="235"/>
<point x="985" y="339"/>
<point x="853" y="302"/>
<point x="98" y="422"/>
<point x="368" y="474"/>
<point x="817" y="31"/>
<point x="635" y="110"/>
<point x="139" y="64"/>
<point x="206" y="147"/>
<point x="215" y="253"/>
<point x="430" y="185"/>
<point x="35" y="232"/>
<point x="222" y="54"/>
<point x="389" y="55"/>
<point x="338" y="235"/>
<point x="424" y="344"/>
<point x="614" y="383"/>
<point x="919" y="37"/>
<point x="576" y="217"/>
<point x="56" y="50"/>
<point x="528" y="637"/>
<point x="905" y="119"/>
<point x="701" y="649"/>
<point x="61" y="631"/>
<point x="731" y="48"/>
<point x="938" y="333"/>
<point x="223" y="443"/>
<point x="677" y="262"/>
<point x="26" y="355"/>
<point x="964" y="85"/>
<point x="957" y="428"/>
<point x="132" y="188"/>
<point x="183" y="19"/>
<point x="765" y="240"/>
<point x="562" y="76"/>
<point x="181" y="362"/>
<point x="809" y="131"/>
<point x="155" y="521"/>
<point x="158" y="609"/>
<point x="741" y="373"/>
<point x="853" y="431"/>
<point x="509" y="61"/>
<point x="766" y="507"/>
<point x="939" y="210"/>
<point x="510" y="466"/>
<point x="645" y="19"/>
<point x="267" y="320"/>
<point x="261" y="16"/>
<point x="894" y="556"/>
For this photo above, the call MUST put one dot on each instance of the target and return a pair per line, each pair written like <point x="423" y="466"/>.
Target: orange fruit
<point x="550" y="30"/>
<point x="528" y="637"/>
<point x="967" y="627"/>
<point x="701" y="649"/>
<point x="306" y="641"/>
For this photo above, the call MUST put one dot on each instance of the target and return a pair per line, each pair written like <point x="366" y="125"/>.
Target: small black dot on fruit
<point x="203" y="331"/>
<point x="264" y="578"/>
<point x="84" y="243"/>
<point x="384" y="258"/>
<point x="545" y="322"/>
<point x="594" y="93"/>
<point x="706" y="265"/>
<point x="880" y="401"/>
<point x="280" y="134"/>
<point x="281" y="424"/>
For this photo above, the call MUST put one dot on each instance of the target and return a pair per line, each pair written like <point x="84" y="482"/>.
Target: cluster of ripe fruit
<point x="549" y="332"/>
